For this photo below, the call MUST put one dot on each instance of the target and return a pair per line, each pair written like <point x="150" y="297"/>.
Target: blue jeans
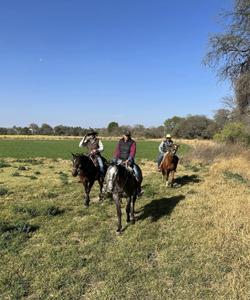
<point x="160" y="157"/>
<point x="100" y="163"/>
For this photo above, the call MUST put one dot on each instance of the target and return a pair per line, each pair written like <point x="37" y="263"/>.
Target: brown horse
<point x="169" y="164"/>
<point x="88" y="172"/>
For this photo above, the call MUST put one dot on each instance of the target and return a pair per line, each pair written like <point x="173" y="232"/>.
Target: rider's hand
<point x="127" y="162"/>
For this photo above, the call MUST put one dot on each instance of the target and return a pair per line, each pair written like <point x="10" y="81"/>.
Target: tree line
<point x="190" y="127"/>
<point x="229" y="54"/>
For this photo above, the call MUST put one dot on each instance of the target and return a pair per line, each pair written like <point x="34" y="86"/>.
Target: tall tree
<point x="229" y="52"/>
<point x="46" y="129"/>
<point x="112" y="127"/>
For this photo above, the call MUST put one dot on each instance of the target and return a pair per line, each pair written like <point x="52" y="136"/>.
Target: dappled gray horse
<point x="121" y="182"/>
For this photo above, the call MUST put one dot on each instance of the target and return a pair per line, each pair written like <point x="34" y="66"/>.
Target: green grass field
<point x="187" y="242"/>
<point x="62" y="149"/>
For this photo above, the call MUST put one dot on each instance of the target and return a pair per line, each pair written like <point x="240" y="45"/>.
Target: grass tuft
<point x="19" y="226"/>
<point x="15" y="174"/>
<point x="63" y="177"/>
<point x="38" y="210"/>
<point x="23" y="168"/>
<point x="234" y="176"/>
<point x="3" y="191"/>
<point x="3" y="164"/>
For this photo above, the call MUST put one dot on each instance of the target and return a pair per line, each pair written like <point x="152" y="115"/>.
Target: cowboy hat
<point x="92" y="132"/>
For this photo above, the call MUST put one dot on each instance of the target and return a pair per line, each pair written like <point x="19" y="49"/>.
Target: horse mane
<point x="122" y="170"/>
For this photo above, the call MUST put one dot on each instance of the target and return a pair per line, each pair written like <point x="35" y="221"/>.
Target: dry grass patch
<point x="190" y="242"/>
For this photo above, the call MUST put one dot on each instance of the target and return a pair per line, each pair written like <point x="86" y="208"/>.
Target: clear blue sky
<point x="86" y="63"/>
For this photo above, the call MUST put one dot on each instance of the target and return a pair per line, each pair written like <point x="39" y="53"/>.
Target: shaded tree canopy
<point x="229" y="52"/>
<point x="173" y="123"/>
<point x="112" y="126"/>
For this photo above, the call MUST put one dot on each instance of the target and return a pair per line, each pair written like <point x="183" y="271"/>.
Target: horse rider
<point x="95" y="147"/>
<point x="125" y="152"/>
<point x="164" y="146"/>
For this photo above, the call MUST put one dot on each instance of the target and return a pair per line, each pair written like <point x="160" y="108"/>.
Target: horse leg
<point x="101" y="195"/>
<point x="119" y="212"/>
<point x="87" y="186"/>
<point x="128" y="208"/>
<point x="172" y="182"/>
<point x="133" y="209"/>
<point x="167" y="177"/>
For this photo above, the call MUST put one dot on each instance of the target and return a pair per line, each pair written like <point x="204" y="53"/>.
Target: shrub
<point x="234" y="132"/>
<point x="3" y="191"/>
<point x="3" y="164"/>
<point x="15" y="174"/>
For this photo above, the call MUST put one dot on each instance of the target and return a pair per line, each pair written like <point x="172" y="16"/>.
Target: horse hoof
<point x="118" y="232"/>
<point x="86" y="204"/>
<point x="133" y="221"/>
<point x="128" y="220"/>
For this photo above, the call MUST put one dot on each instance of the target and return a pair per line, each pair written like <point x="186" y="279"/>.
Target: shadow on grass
<point x="158" y="208"/>
<point x="186" y="179"/>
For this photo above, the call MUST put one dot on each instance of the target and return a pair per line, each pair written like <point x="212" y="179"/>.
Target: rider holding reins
<point x="94" y="146"/>
<point x="163" y="148"/>
<point x="125" y="152"/>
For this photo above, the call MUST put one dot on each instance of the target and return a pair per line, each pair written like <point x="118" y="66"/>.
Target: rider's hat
<point x="127" y="133"/>
<point x="92" y="132"/>
<point x="168" y="136"/>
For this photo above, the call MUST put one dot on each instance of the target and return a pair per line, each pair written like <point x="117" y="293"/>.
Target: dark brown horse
<point x="121" y="182"/>
<point x="169" y="164"/>
<point x="88" y="172"/>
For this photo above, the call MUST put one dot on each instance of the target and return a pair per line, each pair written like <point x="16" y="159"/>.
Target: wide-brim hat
<point x="168" y="136"/>
<point x="92" y="132"/>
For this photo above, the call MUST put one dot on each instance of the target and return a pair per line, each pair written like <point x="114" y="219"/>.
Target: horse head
<point x="110" y="178"/>
<point x="76" y="164"/>
<point x="174" y="148"/>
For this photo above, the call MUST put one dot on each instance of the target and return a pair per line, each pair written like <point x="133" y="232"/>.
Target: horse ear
<point x="73" y="154"/>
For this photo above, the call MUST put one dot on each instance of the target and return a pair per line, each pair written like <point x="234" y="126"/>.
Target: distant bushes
<point x="234" y="132"/>
<point x="226" y="126"/>
<point x="206" y="153"/>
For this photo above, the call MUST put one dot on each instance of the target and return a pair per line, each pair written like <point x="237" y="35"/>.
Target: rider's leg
<point x="160" y="157"/>
<point x="138" y="178"/>
<point x="136" y="172"/>
<point x="101" y="166"/>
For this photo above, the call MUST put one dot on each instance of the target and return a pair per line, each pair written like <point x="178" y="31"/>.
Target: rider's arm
<point x="161" y="147"/>
<point x="117" y="151"/>
<point x="83" y="142"/>
<point x="101" y="148"/>
<point x="132" y="151"/>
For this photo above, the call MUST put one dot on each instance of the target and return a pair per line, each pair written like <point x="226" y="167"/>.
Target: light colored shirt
<point x="85" y="140"/>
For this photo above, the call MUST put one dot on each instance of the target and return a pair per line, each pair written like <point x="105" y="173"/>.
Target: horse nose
<point x="110" y="187"/>
<point x="74" y="172"/>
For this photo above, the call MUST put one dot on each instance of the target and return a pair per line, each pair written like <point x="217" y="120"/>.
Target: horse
<point x="85" y="167"/>
<point x="120" y="181"/>
<point x="169" y="164"/>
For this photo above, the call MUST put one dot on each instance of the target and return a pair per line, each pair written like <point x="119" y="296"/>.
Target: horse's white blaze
<point x="110" y="177"/>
